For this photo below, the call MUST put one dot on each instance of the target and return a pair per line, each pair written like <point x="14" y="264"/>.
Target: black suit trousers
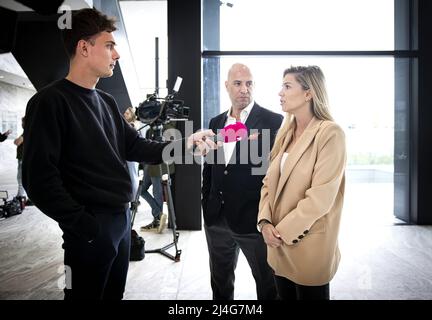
<point x="288" y="290"/>
<point x="224" y="245"/>
<point x="98" y="270"/>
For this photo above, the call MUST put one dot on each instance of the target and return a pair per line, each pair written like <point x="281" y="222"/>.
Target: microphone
<point x="233" y="132"/>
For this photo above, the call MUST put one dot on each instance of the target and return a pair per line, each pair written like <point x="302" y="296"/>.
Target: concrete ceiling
<point x="15" y="80"/>
<point x="12" y="73"/>
<point x="73" y="4"/>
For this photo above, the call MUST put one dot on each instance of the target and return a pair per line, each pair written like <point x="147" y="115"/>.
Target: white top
<point x="229" y="147"/>
<point x="282" y="163"/>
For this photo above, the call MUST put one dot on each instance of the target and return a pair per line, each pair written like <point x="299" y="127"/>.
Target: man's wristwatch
<point x="262" y="223"/>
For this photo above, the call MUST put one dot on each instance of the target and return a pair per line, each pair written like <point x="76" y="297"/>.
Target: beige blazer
<point x="304" y="203"/>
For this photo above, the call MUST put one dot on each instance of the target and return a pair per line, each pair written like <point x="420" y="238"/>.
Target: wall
<point x="184" y="52"/>
<point x="13" y="102"/>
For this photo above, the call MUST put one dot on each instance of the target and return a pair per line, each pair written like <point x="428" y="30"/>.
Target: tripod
<point x="166" y="186"/>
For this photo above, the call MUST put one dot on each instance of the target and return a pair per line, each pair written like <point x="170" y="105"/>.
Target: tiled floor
<point x="380" y="260"/>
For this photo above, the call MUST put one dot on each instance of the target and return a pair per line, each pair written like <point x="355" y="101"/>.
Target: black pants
<point x="98" y="270"/>
<point x="224" y="246"/>
<point x="288" y="290"/>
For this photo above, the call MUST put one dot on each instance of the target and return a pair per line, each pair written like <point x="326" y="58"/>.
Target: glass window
<point x="144" y="21"/>
<point x="361" y="87"/>
<point x="287" y="25"/>
<point x="361" y="95"/>
<point x="361" y="90"/>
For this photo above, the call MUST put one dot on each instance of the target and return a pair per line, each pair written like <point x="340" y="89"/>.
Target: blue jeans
<point x="133" y="173"/>
<point x="155" y="201"/>
<point x="21" y="192"/>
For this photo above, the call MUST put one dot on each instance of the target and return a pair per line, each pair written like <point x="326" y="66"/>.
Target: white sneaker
<point x="162" y="223"/>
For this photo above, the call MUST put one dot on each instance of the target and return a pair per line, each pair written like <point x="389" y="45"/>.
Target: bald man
<point x="231" y="190"/>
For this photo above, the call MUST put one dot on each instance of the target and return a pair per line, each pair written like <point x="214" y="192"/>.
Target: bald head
<point x="237" y="68"/>
<point x="239" y="86"/>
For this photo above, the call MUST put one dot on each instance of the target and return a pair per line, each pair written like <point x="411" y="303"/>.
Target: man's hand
<point x="202" y="141"/>
<point x="7" y="132"/>
<point x="18" y="141"/>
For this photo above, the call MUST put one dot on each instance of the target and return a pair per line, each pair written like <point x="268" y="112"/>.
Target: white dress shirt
<point x="229" y="147"/>
<point x="282" y="163"/>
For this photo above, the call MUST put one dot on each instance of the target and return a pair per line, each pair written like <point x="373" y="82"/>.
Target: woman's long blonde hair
<point x="310" y="77"/>
<point x="133" y="115"/>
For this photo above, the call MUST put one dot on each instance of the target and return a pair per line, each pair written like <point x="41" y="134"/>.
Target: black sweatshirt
<point x="76" y="146"/>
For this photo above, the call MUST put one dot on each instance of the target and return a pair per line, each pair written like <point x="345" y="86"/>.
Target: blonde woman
<point x="303" y="191"/>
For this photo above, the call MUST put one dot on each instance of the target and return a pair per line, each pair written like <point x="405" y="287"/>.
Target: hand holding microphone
<point x="235" y="132"/>
<point x="207" y="140"/>
<point x="202" y="141"/>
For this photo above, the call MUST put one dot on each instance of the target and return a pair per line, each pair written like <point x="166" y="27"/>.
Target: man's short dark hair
<point x="86" y="23"/>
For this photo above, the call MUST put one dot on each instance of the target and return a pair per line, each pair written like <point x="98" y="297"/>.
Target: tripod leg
<point x="171" y="216"/>
<point x="136" y="203"/>
<point x="167" y="191"/>
<point x="171" y="212"/>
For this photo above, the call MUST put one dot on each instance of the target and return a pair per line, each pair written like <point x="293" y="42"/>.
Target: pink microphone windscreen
<point x="234" y="132"/>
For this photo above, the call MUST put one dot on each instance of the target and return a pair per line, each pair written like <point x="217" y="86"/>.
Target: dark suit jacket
<point x="233" y="191"/>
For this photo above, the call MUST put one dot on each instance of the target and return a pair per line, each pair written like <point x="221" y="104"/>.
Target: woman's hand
<point x="271" y="236"/>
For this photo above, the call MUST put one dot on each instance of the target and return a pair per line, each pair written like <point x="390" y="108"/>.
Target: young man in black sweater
<point x="74" y="164"/>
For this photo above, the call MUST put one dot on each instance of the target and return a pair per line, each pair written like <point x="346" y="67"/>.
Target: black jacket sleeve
<point x="43" y="134"/>
<point x="140" y="149"/>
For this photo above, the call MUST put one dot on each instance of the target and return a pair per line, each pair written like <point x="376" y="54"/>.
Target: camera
<point x="11" y="207"/>
<point x="156" y="111"/>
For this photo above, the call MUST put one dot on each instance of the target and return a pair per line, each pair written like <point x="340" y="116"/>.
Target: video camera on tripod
<point x="156" y="111"/>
